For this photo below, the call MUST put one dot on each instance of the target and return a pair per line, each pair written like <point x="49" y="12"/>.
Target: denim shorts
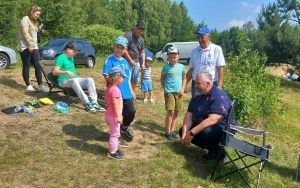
<point x="146" y="85"/>
<point x="135" y="73"/>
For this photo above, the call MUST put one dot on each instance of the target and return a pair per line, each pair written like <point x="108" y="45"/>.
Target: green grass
<point x="53" y="150"/>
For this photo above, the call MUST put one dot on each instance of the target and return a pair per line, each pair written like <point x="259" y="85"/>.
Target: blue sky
<point x="224" y="14"/>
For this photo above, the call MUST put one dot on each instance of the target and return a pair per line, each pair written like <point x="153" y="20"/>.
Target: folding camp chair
<point x="242" y="150"/>
<point x="47" y="68"/>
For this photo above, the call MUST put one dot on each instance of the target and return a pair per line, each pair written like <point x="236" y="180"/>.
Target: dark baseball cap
<point x="140" y="25"/>
<point x="70" y="45"/>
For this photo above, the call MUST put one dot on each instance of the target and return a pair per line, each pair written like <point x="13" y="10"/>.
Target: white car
<point x="8" y="57"/>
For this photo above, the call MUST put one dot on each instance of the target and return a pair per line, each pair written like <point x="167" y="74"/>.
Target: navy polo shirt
<point x="215" y="102"/>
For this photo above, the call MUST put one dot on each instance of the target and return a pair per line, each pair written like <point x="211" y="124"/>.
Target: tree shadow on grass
<point x="85" y="133"/>
<point x="202" y="168"/>
<point x="11" y="83"/>
<point x="287" y="84"/>
<point x="282" y="171"/>
<point x="194" y="163"/>
<point x="149" y="126"/>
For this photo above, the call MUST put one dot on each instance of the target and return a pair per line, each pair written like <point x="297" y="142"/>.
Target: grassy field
<point x="48" y="149"/>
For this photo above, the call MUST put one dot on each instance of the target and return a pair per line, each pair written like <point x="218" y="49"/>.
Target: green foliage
<point x="255" y="91"/>
<point x="101" y="37"/>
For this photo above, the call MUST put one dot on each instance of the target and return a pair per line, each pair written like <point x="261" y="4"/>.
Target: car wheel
<point x="90" y="62"/>
<point x="160" y="60"/>
<point x="4" y="61"/>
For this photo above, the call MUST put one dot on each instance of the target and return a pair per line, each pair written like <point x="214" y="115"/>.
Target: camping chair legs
<point x="66" y="91"/>
<point x="218" y="166"/>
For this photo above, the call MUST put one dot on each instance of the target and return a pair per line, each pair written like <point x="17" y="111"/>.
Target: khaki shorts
<point x="173" y="101"/>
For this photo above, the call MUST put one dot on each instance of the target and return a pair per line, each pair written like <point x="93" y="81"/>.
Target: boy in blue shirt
<point x="116" y="59"/>
<point x="173" y="80"/>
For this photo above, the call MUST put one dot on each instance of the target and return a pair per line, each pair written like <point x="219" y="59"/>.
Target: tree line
<point x="99" y="21"/>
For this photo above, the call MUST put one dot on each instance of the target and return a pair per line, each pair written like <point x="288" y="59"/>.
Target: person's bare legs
<point x="169" y="120"/>
<point x="173" y="123"/>
<point x="150" y="94"/>
<point x="133" y="86"/>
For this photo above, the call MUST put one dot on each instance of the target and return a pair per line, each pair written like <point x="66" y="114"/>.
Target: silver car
<point x="8" y="57"/>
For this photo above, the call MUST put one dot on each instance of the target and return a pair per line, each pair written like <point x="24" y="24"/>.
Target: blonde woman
<point x="28" y="47"/>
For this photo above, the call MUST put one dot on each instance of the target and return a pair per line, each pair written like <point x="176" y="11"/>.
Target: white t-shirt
<point x="207" y="60"/>
<point x="32" y="30"/>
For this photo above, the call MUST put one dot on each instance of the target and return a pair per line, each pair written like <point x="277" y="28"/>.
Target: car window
<point x="59" y="42"/>
<point x="79" y="45"/>
<point x="166" y="48"/>
<point x="86" y="44"/>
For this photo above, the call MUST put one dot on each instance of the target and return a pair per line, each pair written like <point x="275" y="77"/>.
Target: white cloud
<point x="234" y="23"/>
<point x="239" y="23"/>
<point x="245" y="4"/>
<point x="257" y="9"/>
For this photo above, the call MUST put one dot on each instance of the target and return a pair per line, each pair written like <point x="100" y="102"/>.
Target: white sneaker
<point x="145" y="100"/>
<point x="30" y="88"/>
<point x="43" y="89"/>
<point x="151" y="101"/>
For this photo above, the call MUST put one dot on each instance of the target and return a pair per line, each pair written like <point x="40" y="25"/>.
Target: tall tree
<point x="155" y="14"/>
<point x="123" y="14"/>
<point x="11" y="13"/>
<point x="290" y="9"/>
<point x="98" y="12"/>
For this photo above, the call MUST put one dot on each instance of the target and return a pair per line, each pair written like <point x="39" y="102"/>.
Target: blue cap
<point x="202" y="31"/>
<point x="121" y="40"/>
<point x="117" y="71"/>
<point x="173" y="50"/>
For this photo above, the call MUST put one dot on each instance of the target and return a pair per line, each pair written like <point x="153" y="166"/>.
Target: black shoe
<point x="122" y="142"/>
<point x="223" y="157"/>
<point x="128" y="132"/>
<point x="175" y="136"/>
<point x="118" y="155"/>
<point x="210" y="156"/>
<point x="169" y="136"/>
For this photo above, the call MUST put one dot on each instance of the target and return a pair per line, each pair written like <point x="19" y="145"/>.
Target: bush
<point x="256" y="92"/>
<point x="101" y="37"/>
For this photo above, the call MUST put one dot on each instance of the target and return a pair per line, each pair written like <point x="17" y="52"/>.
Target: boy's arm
<point x="162" y="80"/>
<point x="131" y="90"/>
<point x="181" y="92"/>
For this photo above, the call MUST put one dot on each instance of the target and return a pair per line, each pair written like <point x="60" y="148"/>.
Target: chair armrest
<point x="248" y="130"/>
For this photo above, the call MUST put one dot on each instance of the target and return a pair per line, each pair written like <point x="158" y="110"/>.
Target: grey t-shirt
<point x="32" y="30"/>
<point x="135" y="45"/>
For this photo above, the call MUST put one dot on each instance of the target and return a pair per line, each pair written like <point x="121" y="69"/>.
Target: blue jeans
<point x="135" y="73"/>
<point x="209" y="138"/>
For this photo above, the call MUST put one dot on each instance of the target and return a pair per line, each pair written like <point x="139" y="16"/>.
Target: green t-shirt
<point x="66" y="64"/>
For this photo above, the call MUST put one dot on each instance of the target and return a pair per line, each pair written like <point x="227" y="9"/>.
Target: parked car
<point x="185" y="49"/>
<point x="8" y="57"/>
<point x="148" y="53"/>
<point x="85" y="54"/>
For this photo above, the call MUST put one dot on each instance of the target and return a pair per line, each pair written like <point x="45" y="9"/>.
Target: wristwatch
<point x="192" y="133"/>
